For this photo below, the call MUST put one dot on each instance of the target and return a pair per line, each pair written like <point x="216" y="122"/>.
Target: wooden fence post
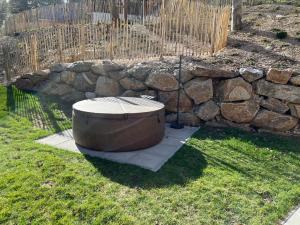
<point x="237" y="11"/>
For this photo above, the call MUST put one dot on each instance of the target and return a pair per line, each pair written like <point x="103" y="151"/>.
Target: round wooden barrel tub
<point x="118" y="123"/>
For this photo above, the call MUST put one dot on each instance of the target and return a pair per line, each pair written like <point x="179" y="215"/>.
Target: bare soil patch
<point x="257" y="44"/>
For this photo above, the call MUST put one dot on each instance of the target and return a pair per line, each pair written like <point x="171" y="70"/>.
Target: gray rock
<point x="117" y="75"/>
<point x="170" y="101"/>
<point x="55" y="77"/>
<point x="287" y="93"/>
<point x="241" y="126"/>
<point x="279" y="76"/>
<point x="162" y="81"/>
<point x="274" y="105"/>
<point x="140" y="72"/>
<point x="199" y="90"/>
<point x="202" y="71"/>
<point x="130" y="93"/>
<point x="186" y="75"/>
<point x="42" y="73"/>
<point x="67" y="77"/>
<point x="37" y="77"/>
<point x="274" y="121"/>
<point x="98" y="69"/>
<point x="73" y="96"/>
<point x="85" y="82"/>
<point x="80" y="66"/>
<point x="107" y="87"/>
<point x="110" y="66"/>
<point x="56" y="89"/>
<point x="149" y="93"/>
<point x="188" y="119"/>
<point x="132" y="84"/>
<point x="251" y="74"/>
<point x="236" y="89"/>
<point x="90" y="95"/>
<point x="58" y="67"/>
<point x="24" y="83"/>
<point x="207" y="111"/>
<point x="242" y="112"/>
<point x="295" y="109"/>
<point x="295" y="80"/>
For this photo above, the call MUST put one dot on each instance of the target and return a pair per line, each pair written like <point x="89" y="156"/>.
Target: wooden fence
<point x="139" y="29"/>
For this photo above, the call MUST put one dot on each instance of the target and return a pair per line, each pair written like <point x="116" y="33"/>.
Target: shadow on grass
<point x="43" y="112"/>
<point x="187" y="165"/>
<point x="189" y="162"/>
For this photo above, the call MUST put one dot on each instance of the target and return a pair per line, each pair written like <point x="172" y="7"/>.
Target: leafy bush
<point x="280" y="34"/>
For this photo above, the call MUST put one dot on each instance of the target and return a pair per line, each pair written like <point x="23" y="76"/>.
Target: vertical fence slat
<point x="86" y="30"/>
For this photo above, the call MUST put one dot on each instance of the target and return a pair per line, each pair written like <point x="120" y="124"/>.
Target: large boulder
<point x="58" y="67"/>
<point x="170" y="101"/>
<point x="90" y="95"/>
<point x="236" y="89"/>
<point x="107" y="87"/>
<point x="295" y="80"/>
<point x="139" y="71"/>
<point x="73" y="96"/>
<point x="68" y="77"/>
<point x="40" y="75"/>
<point x="288" y="93"/>
<point x="110" y="66"/>
<point x="80" y="66"/>
<point x="279" y="76"/>
<point x="200" y="90"/>
<point x="98" y="69"/>
<point x="274" y="105"/>
<point x="132" y="84"/>
<point x="85" y="82"/>
<point x="185" y="76"/>
<point x="251" y="74"/>
<point x="117" y="75"/>
<point x="295" y="109"/>
<point x="30" y="80"/>
<point x="242" y="112"/>
<point x="149" y="93"/>
<point x="188" y="119"/>
<point x="207" y="111"/>
<point x="24" y="83"/>
<point x="274" y="121"/>
<point x="56" y="89"/>
<point x="55" y="77"/>
<point x="202" y="71"/>
<point x="162" y="81"/>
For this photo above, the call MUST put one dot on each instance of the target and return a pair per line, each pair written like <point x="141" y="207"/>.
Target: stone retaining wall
<point x="250" y="98"/>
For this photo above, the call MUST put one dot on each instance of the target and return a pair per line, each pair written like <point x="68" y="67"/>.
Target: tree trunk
<point x="237" y="11"/>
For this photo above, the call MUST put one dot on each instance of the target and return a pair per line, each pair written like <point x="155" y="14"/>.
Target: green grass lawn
<point x="221" y="176"/>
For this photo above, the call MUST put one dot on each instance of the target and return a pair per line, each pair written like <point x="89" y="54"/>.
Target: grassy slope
<point x="219" y="177"/>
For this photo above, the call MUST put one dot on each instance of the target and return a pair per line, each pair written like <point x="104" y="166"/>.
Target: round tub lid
<point x="117" y="107"/>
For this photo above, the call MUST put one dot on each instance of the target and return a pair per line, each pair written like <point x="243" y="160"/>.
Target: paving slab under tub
<point x="152" y="158"/>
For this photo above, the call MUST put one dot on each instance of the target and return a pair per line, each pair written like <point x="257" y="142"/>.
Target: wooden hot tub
<point x="118" y="123"/>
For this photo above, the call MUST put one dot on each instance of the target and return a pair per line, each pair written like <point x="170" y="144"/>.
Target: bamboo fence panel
<point x="87" y="31"/>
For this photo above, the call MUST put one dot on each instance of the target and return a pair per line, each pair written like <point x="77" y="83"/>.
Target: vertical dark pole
<point x="179" y="82"/>
<point x="177" y="124"/>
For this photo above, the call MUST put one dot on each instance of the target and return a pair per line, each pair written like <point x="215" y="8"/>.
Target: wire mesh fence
<point x="115" y="29"/>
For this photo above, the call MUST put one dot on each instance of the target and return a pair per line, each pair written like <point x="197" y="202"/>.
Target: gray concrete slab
<point x="152" y="158"/>
<point x="293" y="218"/>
